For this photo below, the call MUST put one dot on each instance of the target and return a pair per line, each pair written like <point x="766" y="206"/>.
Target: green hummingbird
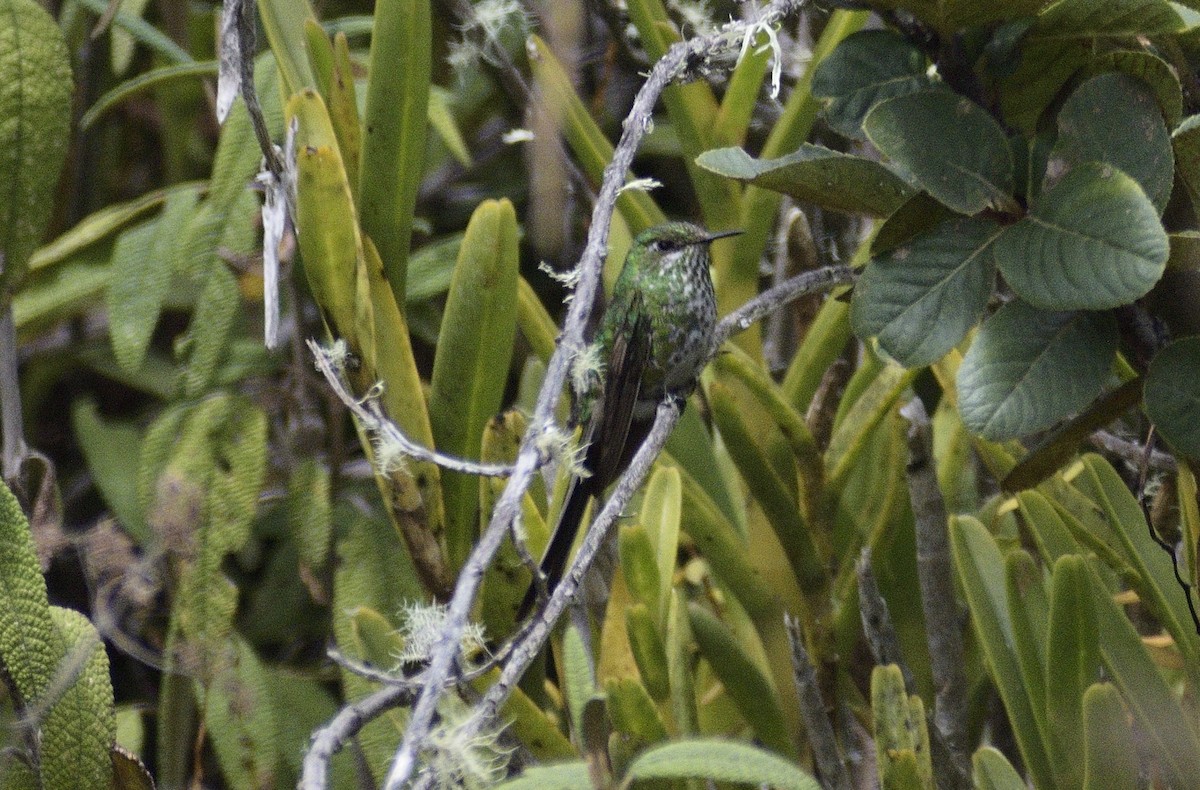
<point x="652" y="343"/>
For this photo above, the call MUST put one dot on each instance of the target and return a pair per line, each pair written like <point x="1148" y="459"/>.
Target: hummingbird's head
<point x="673" y="241"/>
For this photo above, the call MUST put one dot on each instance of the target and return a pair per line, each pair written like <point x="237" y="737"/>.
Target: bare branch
<point x="372" y="418"/>
<point x="831" y="765"/>
<point x="772" y="299"/>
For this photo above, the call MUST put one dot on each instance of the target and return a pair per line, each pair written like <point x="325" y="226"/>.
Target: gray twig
<point x="330" y="739"/>
<point x="774" y="298"/>
<point x="831" y="766"/>
<point x="385" y="431"/>
<point x="1133" y="452"/>
<point x="11" y="425"/>
<point x="877" y="622"/>
<point x="943" y="616"/>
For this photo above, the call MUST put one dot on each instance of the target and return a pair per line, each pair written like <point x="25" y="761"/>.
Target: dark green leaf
<point x="814" y="174"/>
<point x="1173" y="394"/>
<point x="865" y="69"/>
<point x="1093" y="18"/>
<point x="953" y="148"/>
<point x="1092" y="241"/>
<point x="1027" y="369"/>
<point x="920" y="299"/>
<point x="1115" y="119"/>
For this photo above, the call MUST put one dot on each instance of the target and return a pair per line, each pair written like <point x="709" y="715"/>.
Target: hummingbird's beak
<point x="721" y="235"/>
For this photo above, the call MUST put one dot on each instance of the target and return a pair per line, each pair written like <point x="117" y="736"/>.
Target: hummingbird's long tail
<point x="554" y="560"/>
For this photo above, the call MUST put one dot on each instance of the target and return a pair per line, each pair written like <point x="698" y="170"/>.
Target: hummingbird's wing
<point x="609" y="432"/>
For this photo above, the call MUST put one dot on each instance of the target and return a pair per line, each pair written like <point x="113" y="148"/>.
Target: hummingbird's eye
<point x="663" y="245"/>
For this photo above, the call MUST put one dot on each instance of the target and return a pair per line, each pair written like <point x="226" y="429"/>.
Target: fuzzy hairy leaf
<point x="35" y="116"/>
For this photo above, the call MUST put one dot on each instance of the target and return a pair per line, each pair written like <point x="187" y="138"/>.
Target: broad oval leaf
<point x="1092" y="241"/>
<point x="35" y="118"/>
<point x="1172" y="394"/>
<point x="920" y="299"/>
<point x="1115" y="119"/>
<point x="866" y="68"/>
<point x="953" y="148"/>
<point x="720" y="761"/>
<point x="1092" y="18"/>
<point x="1028" y="368"/>
<point x="828" y="178"/>
<point x="1186" y="142"/>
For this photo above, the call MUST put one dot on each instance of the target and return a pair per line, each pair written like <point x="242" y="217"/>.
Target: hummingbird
<point x="652" y="343"/>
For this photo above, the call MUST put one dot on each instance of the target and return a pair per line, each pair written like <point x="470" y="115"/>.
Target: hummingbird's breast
<point x="684" y="314"/>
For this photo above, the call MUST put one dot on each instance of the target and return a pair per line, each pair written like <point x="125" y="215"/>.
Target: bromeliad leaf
<point x="954" y="150"/>
<point x="828" y="178"/>
<point x="921" y="298"/>
<point x="1028" y="368"/>
<point x="866" y="68"/>
<point x="1092" y="241"/>
<point x="1115" y="119"/>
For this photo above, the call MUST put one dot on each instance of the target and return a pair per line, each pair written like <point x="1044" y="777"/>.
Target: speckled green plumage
<point x="652" y="343"/>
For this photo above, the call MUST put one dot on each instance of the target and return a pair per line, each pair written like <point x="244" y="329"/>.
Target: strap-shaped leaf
<point x="922" y="298"/>
<point x="1027" y="369"/>
<point x="1072" y="664"/>
<point x="1115" y="119"/>
<point x="393" y="146"/>
<point x="954" y="149"/>
<point x="35" y="116"/>
<point x="475" y="348"/>
<point x="818" y="175"/>
<point x="720" y="761"/>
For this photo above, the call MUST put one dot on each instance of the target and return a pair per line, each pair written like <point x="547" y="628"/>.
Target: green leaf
<point x="154" y="78"/>
<point x="865" y="69"/>
<point x="584" y="136"/>
<point x="750" y="690"/>
<point x="107" y="448"/>
<point x="283" y="22"/>
<point x="240" y="720"/>
<point x="1114" y="119"/>
<point x="208" y="332"/>
<point x="633" y="712"/>
<point x="30" y="645"/>
<point x="78" y="731"/>
<point x="991" y="771"/>
<point x="1110" y="760"/>
<point x="35" y="119"/>
<point x="866" y="412"/>
<point x="954" y="150"/>
<point x="648" y="650"/>
<point x="330" y="243"/>
<point x="749" y="451"/>
<point x="920" y="299"/>
<point x="639" y="565"/>
<point x="563" y="776"/>
<point x="1172" y="394"/>
<point x="1186" y="141"/>
<point x="830" y="179"/>
<point x="393" y="153"/>
<point x="474" y="351"/>
<point x="1091" y="241"/>
<point x="1072" y="664"/>
<point x="662" y="506"/>
<point x="901" y="737"/>
<point x="1169" y="733"/>
<point x="1027" y="369"/>
<point x="719" y="761"/>
<point x="142" y="31"/>
<point x="979" y="565"/>
<point x="1096" y="18"/>
<point x="1150" y="69"/>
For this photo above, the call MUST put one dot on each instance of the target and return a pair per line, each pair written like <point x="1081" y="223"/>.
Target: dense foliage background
<point x="964" y="481"/>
